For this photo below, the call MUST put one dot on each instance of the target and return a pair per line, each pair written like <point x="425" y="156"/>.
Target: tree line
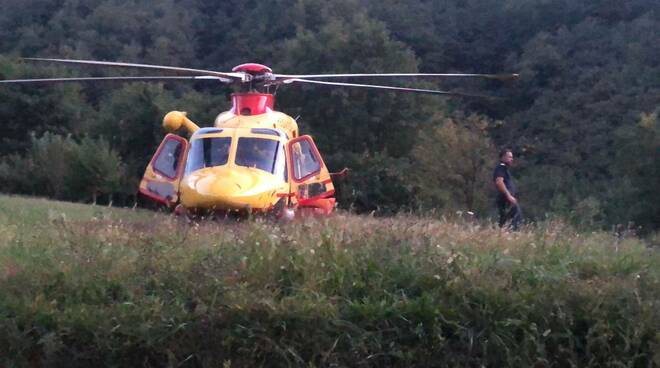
<point x="582" y="120"/>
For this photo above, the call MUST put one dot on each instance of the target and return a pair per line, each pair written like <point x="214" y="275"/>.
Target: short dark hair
<point x="503" y="151"/>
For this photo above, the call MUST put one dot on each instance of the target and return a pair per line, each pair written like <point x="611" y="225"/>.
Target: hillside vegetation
<point x="582" y="119"/>
<point x="92" y="286"/>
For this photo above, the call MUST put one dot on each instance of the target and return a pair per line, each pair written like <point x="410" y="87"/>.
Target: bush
<point x="60" y="167"/>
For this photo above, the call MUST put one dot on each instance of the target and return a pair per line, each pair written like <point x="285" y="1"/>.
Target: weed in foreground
<point x="146" y="289"/>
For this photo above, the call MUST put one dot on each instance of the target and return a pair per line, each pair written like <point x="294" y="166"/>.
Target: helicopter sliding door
<point x="160" y="182"/>
<point x="311" y="186"/>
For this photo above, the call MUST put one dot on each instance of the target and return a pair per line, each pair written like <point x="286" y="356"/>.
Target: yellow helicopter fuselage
<point x="244" y="162"/>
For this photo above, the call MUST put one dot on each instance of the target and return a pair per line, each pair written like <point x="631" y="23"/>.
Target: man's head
<point x="506" y="156"/>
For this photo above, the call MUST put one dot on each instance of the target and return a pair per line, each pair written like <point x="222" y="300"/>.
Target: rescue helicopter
<point x="253" y="158"/>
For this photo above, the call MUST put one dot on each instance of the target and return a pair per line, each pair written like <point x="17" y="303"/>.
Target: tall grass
<point x="84" y="285"/>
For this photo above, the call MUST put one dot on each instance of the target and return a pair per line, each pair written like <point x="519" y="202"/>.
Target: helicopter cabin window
<point x="167" y="161"/>
<point x="260" y="153"/>
<point x="305" y="160"/>
<point x="207" y="152"/>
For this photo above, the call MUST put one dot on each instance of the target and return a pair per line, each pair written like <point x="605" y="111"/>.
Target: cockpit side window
<point x="167" y="161"/>
<point x="305" y="160"/>
<point x="208" y="152"/>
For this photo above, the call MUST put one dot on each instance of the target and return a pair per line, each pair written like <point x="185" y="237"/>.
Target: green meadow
<point x="88" y="286"/>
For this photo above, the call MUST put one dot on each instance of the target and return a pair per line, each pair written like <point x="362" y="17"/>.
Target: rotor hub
<point x="255" y="77"/>
<point x="253" y="72"/>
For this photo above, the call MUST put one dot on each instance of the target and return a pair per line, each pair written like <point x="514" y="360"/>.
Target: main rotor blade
<point x="125" y="79"/>
<point x="400" y="75"/>
<point x="401" y="89"/>
<point x="188" y="71"/>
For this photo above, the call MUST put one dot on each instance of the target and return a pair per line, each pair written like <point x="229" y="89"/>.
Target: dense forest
<point x="582" y="119"/>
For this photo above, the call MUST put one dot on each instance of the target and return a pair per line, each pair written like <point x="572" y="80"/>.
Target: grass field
<point x="92" y="286"/>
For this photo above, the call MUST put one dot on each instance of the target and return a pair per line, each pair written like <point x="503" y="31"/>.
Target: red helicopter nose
<point x="252" y="68"/>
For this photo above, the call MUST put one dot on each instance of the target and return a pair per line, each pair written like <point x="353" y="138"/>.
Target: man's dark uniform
<point x="506" y="210"/>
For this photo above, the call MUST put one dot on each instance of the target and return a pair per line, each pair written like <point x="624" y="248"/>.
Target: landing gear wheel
<point x="181" y="212"/>
<point x="282" y="212"/>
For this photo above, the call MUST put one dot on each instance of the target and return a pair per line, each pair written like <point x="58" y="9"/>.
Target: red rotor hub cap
<point x="252" y="68"/>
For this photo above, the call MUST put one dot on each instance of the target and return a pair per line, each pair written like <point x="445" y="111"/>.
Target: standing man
<point x="507" y="203"/>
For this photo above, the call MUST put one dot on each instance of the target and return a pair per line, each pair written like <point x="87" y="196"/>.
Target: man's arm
<point x="499" y="184"/>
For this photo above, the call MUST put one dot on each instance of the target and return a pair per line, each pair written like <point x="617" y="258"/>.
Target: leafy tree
<point x="37" y="109"/>
<point x="637" y="167"/>
<point x="235" y="32"/>
<point x="452" y="163"/>
<point x="95" y="170"/>
<point x="44" y="168"/>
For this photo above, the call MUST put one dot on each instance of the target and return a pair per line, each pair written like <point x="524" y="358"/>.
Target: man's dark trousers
<point x="509" y="212"/>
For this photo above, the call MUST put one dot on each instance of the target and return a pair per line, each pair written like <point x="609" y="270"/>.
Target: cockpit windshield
<point x="208" y="152"/>
<point x="260" y="153"/>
